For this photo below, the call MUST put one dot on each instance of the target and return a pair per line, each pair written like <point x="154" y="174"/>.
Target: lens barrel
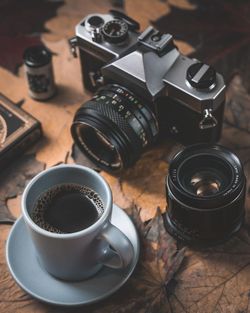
<point x="205" y="190"/>
<point x="114" y="128"/>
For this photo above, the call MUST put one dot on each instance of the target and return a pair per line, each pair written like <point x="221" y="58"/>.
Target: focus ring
<point x="115" y="117"/>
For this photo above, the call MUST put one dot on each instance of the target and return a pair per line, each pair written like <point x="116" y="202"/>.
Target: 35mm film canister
<point x="39" y="72"/>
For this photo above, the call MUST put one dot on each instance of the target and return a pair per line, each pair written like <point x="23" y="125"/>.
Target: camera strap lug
<point x="208" y="121"/>
<point x="73" y="43"/>
<point x="96" y="79"/>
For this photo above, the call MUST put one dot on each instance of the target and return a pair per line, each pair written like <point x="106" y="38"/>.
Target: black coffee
<point x="67" y="208"/>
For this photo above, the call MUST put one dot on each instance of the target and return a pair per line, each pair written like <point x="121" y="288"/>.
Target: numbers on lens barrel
<point x="120" y="108"/>
<point x="125" y="112"/>
<point x="130" y="117"/>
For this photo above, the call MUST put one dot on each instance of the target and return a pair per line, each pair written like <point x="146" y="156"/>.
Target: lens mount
<point x="113" y="128"/>
<point x="205" y="193"/>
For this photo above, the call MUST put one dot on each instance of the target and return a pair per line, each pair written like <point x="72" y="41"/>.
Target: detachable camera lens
<point x="113" y="128"/>
<point x="205" y="191"/>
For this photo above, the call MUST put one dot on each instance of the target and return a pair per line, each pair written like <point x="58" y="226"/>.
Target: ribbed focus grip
<point x="109" y="111"/>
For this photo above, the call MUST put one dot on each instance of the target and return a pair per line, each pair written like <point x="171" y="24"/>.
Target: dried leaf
<point x="13" y="181"/>
<point x="144" y="183"/>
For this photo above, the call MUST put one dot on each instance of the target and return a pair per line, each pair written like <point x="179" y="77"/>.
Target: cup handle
<point x="120" y="251"/>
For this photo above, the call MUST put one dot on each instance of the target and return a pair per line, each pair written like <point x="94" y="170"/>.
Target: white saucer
<point x="27" y="272"/>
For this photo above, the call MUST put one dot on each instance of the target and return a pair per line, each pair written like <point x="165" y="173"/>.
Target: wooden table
<point x="169" y="278"/>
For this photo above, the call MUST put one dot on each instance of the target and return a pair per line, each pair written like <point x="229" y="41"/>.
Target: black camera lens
<point x="205" y="191"/>
<point x="113" y="128"/>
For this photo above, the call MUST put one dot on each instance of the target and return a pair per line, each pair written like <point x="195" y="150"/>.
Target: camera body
<point x="186" y="96"/>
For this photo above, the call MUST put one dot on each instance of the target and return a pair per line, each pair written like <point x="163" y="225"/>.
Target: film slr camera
<point x="145" y="90"/>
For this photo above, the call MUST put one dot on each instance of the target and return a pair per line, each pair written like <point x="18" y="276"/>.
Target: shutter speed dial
<point x="115" y="31"/>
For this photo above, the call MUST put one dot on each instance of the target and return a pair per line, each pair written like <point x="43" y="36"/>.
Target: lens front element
<point x="96" y="145"/>
<point x="205" y="184"/>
